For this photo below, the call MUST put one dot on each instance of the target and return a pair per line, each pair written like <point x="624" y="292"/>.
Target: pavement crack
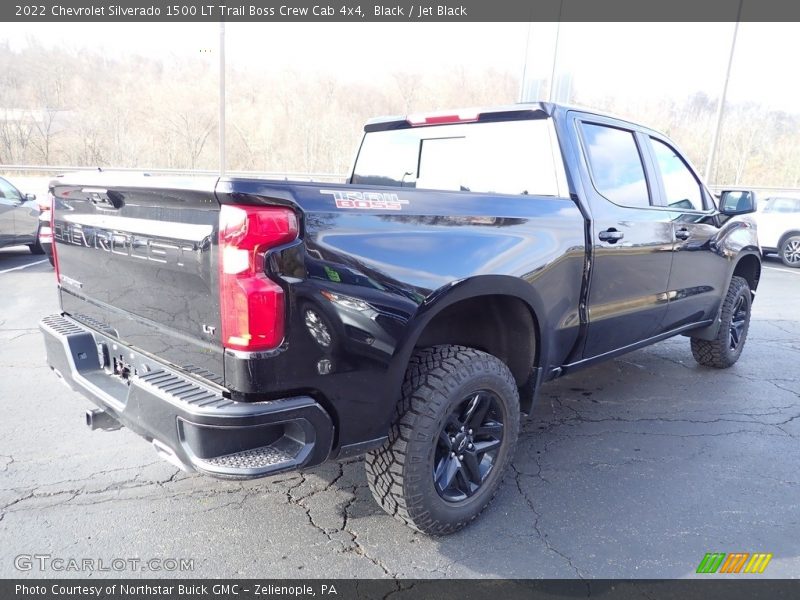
<point x="359" y="548"/>
<point x="330" y="532"/>
<point x="33" y="495"/>
<point x="537" y="516"/>
<point x="170" y="479"/>
<point x="300" y="501"/>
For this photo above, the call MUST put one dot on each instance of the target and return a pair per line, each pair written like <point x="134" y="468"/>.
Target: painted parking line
<point x="797" y="272"/>
<point x="38" y="262"/>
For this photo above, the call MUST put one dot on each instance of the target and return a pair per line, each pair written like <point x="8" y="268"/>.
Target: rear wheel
<point x="36" y="248"/>
<point x="454" y="435"/>
<point x="724" y="350"/>
<point x="790" y="251"/>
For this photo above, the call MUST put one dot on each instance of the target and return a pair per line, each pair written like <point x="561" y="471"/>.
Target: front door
<point x="700" y="270"/>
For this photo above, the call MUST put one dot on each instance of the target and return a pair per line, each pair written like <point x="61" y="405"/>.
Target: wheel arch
<point x="784" y="238"/>
<point x="786" y="235"/>
<point x="748" y="266"/>
<point x="471" y="312"/>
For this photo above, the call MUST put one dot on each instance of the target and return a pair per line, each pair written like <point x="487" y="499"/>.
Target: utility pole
<point x="221" y="99"/>
<point x="522" y="91"/>
<point x="712" y="155"/>
<point x="555" y="54"/>
<point x="555" y="60"/>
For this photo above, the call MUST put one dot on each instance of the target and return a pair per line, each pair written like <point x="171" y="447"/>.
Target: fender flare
<point x="463" y="289"/>
<point x="710" y="331"/>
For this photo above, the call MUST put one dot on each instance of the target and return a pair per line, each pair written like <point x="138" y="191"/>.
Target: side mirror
<point x="737" y="202"/>
<point x="30" y="197"/>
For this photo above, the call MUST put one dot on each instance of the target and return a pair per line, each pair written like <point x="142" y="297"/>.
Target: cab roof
<point x="506" y="112"/>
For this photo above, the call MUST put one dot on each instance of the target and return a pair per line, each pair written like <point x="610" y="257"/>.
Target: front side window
<point x="680" y="185"/>
<point x="505" y="157"/>
<point x="8" y="191"/>
<point x="616" y="165"/>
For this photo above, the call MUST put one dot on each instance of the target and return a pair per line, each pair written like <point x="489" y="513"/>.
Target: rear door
<point x="137" y="260"/>
<point x="632" y="239"/>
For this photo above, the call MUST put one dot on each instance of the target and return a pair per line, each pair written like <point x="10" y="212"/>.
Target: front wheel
<point x="36" y="247"/>
<point x="724" y="350"/>
<point x="453" y="437"/>
<point x="790" y="251"/>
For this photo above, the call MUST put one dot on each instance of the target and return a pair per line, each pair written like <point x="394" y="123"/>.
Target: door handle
<point x="683" y="233"/>
<point x="610" y="235"/>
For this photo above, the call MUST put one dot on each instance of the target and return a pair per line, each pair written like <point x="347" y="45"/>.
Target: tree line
<point x="83" y="108"/>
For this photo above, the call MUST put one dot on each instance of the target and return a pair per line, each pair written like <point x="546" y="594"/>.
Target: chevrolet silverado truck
<point x="248" y="327"/>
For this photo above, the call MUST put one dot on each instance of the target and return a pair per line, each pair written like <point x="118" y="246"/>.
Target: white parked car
<point x="779" y="228"/>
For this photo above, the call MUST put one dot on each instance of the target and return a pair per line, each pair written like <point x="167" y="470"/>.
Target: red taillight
<point x="53" y="236"/>
<point x="443" y="119"/>
<point x="251" y="304"/>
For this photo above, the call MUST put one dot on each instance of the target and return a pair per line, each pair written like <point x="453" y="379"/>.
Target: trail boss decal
<point x="368" y="200"/>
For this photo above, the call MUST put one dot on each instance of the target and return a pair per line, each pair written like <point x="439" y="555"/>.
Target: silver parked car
<point x="19" y="218"/>
<point x="778" y="221"/>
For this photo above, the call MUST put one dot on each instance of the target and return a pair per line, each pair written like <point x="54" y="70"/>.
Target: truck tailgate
<point x="137" y="261"/>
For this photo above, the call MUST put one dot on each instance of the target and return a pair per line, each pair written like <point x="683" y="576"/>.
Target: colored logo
<point x="736" y="562"/>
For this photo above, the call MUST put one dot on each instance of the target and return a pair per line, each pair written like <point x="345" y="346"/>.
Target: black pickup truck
<point x="247" y="327"/>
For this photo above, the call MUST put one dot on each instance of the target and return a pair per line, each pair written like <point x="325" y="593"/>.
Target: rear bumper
<point x="190" y="422"/>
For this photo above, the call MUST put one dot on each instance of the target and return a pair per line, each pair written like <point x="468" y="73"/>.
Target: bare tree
<point x="193" y="132"/>
<point x="46" y="130"/>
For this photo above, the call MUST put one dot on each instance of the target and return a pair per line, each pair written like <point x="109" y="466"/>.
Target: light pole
<point x="221" y="99"/>
<point x="712" y="155"/>
<point x="555" y="59"/>
<point x="522" y="90"/>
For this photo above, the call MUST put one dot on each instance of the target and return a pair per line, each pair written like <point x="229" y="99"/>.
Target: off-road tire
<point x="400" y="473"/>
<point x="718" y="353"/>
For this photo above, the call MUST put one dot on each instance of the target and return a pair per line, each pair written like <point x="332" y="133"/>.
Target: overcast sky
<point x="609" y="59"/>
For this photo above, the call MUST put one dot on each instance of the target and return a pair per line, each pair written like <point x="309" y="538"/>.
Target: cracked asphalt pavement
<point x="633" y="468"/>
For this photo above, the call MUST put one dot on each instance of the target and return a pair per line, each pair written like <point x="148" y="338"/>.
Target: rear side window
<point x="508" y="157"/>
<point x="681" y="187"/>
<point x="616" y="165"/>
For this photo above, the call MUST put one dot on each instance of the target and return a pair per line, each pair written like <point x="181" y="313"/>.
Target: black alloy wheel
<point x="467" y="447"/>
<point x="738" y="322"/>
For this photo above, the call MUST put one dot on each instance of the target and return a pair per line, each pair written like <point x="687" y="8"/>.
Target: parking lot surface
<point x="633" y="468"/>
